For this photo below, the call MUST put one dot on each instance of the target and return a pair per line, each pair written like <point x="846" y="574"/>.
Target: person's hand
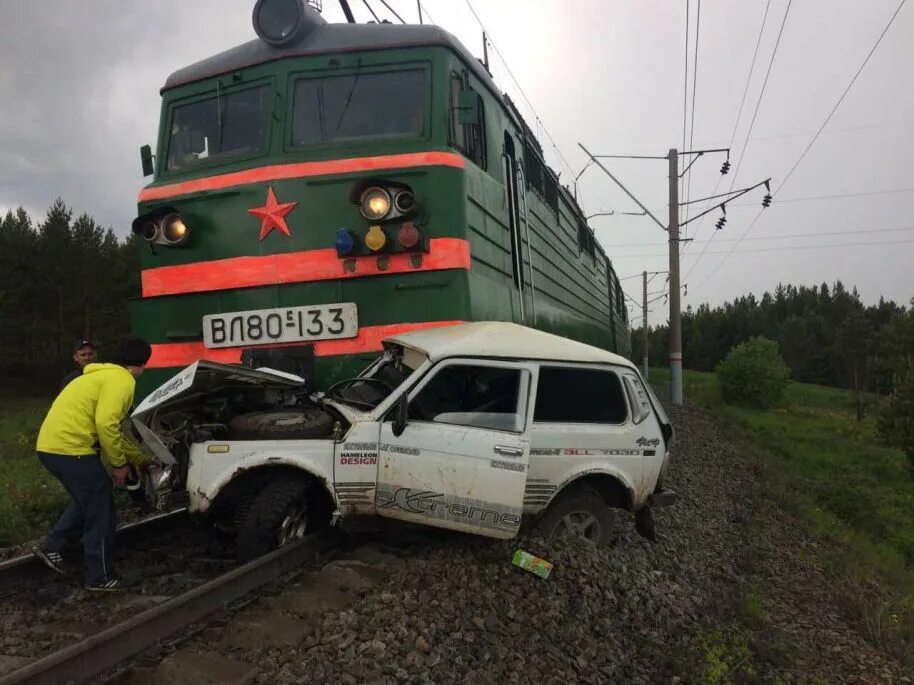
<point x="152" y="462"/>
<point x="120" y="475"/>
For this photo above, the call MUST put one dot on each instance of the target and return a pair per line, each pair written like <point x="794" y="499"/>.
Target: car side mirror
<point x="401" y="414"/>
<point x="146" y="160"/>
<point x="468" y="111"/>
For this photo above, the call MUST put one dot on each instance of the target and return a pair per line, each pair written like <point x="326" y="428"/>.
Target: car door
<point x="461" y="460"/>
<point x="581" y="424"/>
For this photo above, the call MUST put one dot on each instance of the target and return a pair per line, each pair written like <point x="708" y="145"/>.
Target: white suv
<point x="473" y="427"/>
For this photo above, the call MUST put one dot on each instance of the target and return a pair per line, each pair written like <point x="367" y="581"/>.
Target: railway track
<point x="28" y="568"/>
<point x="98" y="654"/>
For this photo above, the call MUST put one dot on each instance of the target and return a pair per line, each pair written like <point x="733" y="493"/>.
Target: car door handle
<point x="509" y="451"/>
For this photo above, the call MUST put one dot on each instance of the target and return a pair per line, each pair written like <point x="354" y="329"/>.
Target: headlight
<point x="149" y="231"/>
<point x="174" y="230"/>
<point x="375" y="203"/>
<point x="404" y="202"/>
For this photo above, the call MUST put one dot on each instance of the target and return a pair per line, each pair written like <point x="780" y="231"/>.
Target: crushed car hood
<point x="198" y="381"/>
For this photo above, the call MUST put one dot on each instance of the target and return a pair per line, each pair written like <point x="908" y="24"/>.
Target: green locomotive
<point x="327" y="185"/>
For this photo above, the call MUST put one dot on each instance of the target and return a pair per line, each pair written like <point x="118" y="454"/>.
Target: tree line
<point x="61" y="279"/>
<point x="825" y="334"/>
<point x="64" y="278"/>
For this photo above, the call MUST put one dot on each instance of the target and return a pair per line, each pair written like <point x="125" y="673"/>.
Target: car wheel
<point x="279" y="514"/>
<point x="307" y="422"/>
<point x="579" y="512"/>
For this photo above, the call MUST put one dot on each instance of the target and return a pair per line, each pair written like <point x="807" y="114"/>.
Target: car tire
<point x="307" y="422"/>
<point x="580" y="512"/>
<point x="279" y="514"/>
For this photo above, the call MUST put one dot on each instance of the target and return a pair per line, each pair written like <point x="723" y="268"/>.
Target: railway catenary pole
<point x="644" y="312"/>
<point x="675" y="309"/>
<point x="672" y="229"/>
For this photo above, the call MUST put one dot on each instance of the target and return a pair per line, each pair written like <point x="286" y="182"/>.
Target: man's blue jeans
<point x="91" y="514"/>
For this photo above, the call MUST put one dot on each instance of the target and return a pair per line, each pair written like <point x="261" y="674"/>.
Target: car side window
<point x="578" y="395"/>
<point x="641" y="403"/>
<point x="476" y="396"/>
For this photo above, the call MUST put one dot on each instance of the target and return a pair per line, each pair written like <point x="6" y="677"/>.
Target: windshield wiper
<point x="349" y="95"/>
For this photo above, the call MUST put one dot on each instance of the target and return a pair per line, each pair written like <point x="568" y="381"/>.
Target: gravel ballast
<point x="457" y="611"/>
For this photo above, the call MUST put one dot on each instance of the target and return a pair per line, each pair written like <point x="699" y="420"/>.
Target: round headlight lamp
<point x="278" y="21"/>
<point x="149" y="231"/>
<point x="174" y="230"/>
<point x="375" y="203"/>
<point x="405" y="201"/>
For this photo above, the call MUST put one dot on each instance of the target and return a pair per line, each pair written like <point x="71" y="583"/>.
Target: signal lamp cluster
<point x="387" y="239"/>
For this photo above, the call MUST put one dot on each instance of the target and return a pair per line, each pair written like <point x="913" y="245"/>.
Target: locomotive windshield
<point x="222" y="125"/>
<point x="343" y="108"/>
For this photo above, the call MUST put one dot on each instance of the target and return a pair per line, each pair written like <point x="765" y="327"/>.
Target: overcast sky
<point x="79" y="93"/>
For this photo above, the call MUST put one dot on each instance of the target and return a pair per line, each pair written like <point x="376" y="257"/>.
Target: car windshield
<point x="388" y="372"/>
<point x="355" y="106"/>
<point x="219" y="126"/>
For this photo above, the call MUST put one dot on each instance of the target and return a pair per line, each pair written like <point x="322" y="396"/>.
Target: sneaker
<point x="112" y="585"/>
<point x="53" y="560"/>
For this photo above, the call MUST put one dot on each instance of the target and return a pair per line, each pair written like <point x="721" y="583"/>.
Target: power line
<point x="372" y="11"/>
<point x="761" y="96"/>
<point x="424" y="11"/>
<point x="739" y="114"/>
<point x="685" y="99"/>
<point x="694" y="88"/>
<point x="392" y="11"/>
<point x="537" y="118"/>
<point x="839" y="196"/>
<point x="826" y="246"/>
<point x="758" y="104"/>
<point x="742" y="102"/>
<point x="841" y="99"/>
<point x="812" y="142"/>
<point x="782" y="236"/>
<point x="906" y="124"/>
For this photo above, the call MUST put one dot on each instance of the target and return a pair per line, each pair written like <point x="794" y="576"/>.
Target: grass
<point x="30" y="498"/>
<point x="829" y="468"/>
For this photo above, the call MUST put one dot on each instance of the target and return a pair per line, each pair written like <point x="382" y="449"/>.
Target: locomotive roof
<point x="324" y="39"/>
<point x="502" y="340"/>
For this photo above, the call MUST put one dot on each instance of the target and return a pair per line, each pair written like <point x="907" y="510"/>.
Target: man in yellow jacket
<point x="89" y="411"/>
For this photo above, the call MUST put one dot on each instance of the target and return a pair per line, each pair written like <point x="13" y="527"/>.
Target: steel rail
<point x="28" y="567"/>
<point x="103" y="651"/>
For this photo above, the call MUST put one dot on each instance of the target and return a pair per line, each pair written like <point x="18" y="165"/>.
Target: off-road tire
<point x="258" y="530"/>
<point x="582" y="501"/>
<point x="307" y="422"/>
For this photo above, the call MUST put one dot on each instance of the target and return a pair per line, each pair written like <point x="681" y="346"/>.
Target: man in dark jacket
<point x="83" y="354"/>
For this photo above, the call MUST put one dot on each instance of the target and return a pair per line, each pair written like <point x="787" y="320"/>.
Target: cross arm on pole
<point x="619" y="183"/>
<point x="736" y="194"/>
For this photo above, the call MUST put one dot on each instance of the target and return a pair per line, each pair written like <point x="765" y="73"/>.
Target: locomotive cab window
<point x="226" y="124"/>
<point x="359" y="106"/>
<point x="468" y="138"/>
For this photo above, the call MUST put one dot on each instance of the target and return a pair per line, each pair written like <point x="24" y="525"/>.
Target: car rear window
<point x="576" y="395"/>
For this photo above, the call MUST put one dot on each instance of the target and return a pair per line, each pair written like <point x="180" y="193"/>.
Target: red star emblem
<point x="272" y="215"/>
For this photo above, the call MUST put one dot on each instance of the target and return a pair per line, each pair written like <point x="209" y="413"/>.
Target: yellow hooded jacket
<point x="90" y="410"/>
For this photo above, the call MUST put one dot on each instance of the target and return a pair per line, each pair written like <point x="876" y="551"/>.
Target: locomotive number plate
<point x="281" y="325"/>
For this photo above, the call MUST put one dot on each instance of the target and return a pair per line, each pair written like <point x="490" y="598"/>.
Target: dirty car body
<point x="472" y="427"/>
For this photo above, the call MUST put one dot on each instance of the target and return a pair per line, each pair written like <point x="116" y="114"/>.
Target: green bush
<point x="753" y="374"/>
<point x="895" y="423"/>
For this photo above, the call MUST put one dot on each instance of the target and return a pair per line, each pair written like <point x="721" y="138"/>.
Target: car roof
<point x="504" y="341"/>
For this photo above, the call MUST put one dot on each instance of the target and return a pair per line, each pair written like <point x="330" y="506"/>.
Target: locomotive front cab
<point x="309" y="198"/>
